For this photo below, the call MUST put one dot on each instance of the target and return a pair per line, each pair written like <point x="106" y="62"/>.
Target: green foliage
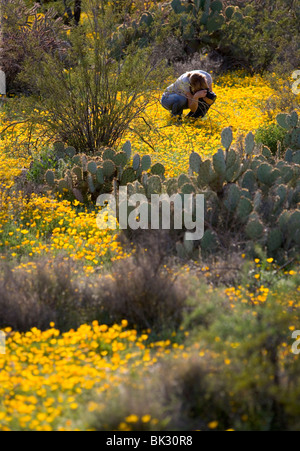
<point x="189" y="21"/>
<point x="274" y="50"/>
<point x="45" y="161"/>
<point x="81" y="90"/>
<point x="146" y="162"/>
<point x="195" y="162"/>
<point x="269" y="135"/>
<point x="158" y="169"/>
<point x="245" y="199"/>
<point x="84" y="177"/>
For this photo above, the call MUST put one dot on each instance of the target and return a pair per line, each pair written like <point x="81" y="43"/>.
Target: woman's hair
<point x="197" y="82"/>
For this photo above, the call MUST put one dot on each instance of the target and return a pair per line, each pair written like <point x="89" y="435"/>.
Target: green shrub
<point x="24" y="32"/>
<point x="269" y="135"/>
<point x="45" y="293"/>
<point x="41" y="162"/>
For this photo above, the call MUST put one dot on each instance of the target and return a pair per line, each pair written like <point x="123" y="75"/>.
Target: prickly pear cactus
<point x="189" y="18"/>
<point x="85" y="177"/>
<point x="290" y="122"/>
<point x="249" y="143"/>
<point x="227" y="137"/>
<point x="154" y="185"/>
<point x="158" y="169"/>
<point x="254" y="228"/>
<point x="195" y="162"/>
<point x="250" y="196"/>
<point x="146" y="162"/>
<point x="50" y="178"/>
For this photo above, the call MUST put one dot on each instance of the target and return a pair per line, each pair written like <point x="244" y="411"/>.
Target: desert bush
<point x="244" y="34"/>
<point x="141" y="290"/>
<point x="88" y="99"/>
<point x="41" y="293"/>
<point x="172" y="399"/>
<point x="69" y="11"/>
<point x="24" y="32"/>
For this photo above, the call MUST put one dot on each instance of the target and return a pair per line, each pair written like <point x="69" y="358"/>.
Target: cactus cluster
<point x="212" y="14"/>
<point x="251" y="198"/>
<point x="62" y="152"/>
<point x="86" y="177"/>
<point x="226" y="165"/>
<point x="193" y="17"/>
<point x="138" y="31"/>
<point x="255" y="196"/>
<point x="291" y="124"/>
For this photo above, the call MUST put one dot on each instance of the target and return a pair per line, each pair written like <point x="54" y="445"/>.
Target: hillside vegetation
<point x="144" y="330"/>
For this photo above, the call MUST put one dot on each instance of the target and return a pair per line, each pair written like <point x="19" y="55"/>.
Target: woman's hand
<point x="200" y="94"/>
<point x="193" y="99"/>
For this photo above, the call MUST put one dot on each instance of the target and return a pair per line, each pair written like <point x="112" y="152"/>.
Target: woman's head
<point x="198" y="82"/>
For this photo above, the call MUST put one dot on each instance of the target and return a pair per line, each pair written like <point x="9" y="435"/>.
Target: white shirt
<point x="182" y="84"/>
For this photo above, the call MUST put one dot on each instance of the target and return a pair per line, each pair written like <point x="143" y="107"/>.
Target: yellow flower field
<point x="50" y="375"/>
<point x="51" y="380"/>
<point x="238" y="105"/>
<point x="43" y="225"/>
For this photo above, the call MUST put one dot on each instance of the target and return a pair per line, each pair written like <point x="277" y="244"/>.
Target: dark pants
<point x="175" y="103"/>
<point x="203" y="107"/>
<point x="201" y="111"/>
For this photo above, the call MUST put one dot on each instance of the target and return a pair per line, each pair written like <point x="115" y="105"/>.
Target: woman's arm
<point x="193" y="99"/>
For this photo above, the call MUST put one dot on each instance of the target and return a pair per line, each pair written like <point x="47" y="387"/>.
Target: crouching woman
<point x="193" y="91"/>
